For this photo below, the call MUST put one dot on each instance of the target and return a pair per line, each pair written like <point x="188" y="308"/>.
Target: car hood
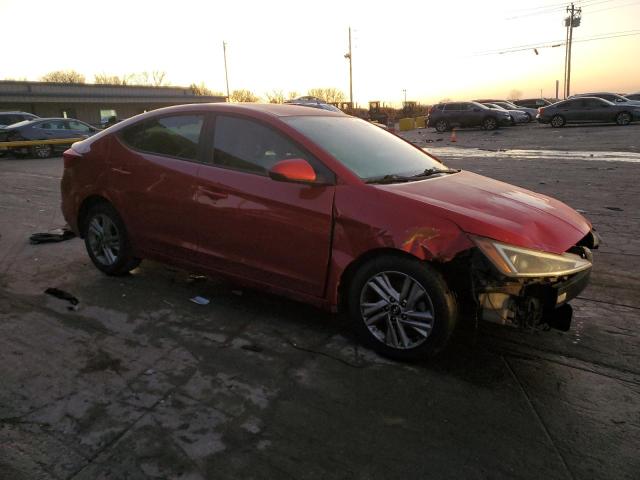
<point x="490" y="208"/>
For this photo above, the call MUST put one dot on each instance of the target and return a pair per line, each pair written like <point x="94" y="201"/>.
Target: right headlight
<point x="515" y="261"/>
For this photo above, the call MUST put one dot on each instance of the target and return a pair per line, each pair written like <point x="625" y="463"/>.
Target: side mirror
<point x="293" y="170"/>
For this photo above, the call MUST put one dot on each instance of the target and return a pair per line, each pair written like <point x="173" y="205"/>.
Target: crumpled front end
<point x="529" y="301"/>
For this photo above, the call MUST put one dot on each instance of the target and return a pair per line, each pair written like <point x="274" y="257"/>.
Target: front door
<point x="273" y="232"/>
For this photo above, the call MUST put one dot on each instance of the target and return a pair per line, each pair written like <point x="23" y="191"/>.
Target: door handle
<point x="212" y="194"/>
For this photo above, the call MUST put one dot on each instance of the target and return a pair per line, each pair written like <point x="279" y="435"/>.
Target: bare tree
<point x="243" y="96"/>
<point x="275" y="96"/>
<point x="292" y="94"/>
<point x="203" y="90"/>
<point x="159" y="78"/>
<point x="445" y="100"/>
<point x="105" y="79"/>
<point x="515" y="94"/>
<point x="63" y="76"/>
<point x="329" y="95"/>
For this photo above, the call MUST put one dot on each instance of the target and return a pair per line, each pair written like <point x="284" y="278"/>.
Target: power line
<point x="557" y="43"/>
<point x="558" y="8"/>
<point x="614" y="6"/>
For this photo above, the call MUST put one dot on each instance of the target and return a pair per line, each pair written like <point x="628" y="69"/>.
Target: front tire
<point x="489" y="123"/>
<point x="106" y="240"/>
<point x="623" y="119"/>
<point x="401" y="308"/>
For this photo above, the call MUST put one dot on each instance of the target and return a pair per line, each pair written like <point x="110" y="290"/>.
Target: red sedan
<point x="327" y="209"/>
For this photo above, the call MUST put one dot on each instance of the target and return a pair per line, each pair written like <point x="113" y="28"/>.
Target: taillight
<point x="541" y="110"/>
<point x="70" y="156"/>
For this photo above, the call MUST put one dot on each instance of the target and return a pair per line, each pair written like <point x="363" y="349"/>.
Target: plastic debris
<point x="59" y="235"/>
<point x="615" y="209"/>
<point x="200" y="300"/>
<point x="62" y="295"/>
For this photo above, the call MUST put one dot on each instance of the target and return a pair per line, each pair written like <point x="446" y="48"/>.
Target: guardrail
<point x="28" y="143"/>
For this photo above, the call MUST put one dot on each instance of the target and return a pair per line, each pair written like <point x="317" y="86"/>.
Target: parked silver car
<point x="517" y="116"/>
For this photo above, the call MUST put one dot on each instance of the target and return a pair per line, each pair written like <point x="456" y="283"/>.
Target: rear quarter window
<point x="174" y="136"/>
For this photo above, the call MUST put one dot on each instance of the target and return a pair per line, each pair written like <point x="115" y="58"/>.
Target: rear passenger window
<point x="175" y="136"/>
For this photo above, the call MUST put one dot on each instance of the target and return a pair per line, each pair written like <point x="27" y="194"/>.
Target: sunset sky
<point x="428" y="48"/>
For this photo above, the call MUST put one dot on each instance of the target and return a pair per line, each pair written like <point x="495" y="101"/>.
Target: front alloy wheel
<point x="397" y="310"/>
<point x="623" y="118"/>
<point x="490" y="123"/>
<point x="401" y="307"/>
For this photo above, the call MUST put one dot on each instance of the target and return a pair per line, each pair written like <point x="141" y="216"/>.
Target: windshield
<point x="368" y="151"/>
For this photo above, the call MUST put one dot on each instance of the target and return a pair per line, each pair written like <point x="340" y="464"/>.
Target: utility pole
<point x="404" y="91"/>
<point x="226" y="75"/>
<point x="572" y="21"/>
<point x="349" y="57"/>
<point x="557" y="88"/>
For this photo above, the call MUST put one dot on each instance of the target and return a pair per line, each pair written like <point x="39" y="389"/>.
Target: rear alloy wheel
<point x="489" y="123"/>
<point x="401" y="308"/>
<point x="623" y="118"/>
<point x="442" y="126"/>
<point x="557" y="121"/>
<point x="41" y="151"/>
<point x="106" y="241"/>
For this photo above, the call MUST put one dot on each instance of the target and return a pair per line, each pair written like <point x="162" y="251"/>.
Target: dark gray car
<point x="9" y="118"/>
<point x="587" y="110"/>
<point x="445" y="116"/>
<point x="45" y="129"/>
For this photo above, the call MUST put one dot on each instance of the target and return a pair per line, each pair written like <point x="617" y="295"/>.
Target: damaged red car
<point x="330" y="210"/>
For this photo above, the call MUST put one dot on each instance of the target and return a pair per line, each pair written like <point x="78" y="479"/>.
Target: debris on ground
<point x="252" y="348"/>
<point x="615" y="209"/>
<point x="196" y="277"/>
<point x="200" y="300"/>
<point x="62" y="295"/>
<point x="237" y="292"/>
<point x="59" y="235"/>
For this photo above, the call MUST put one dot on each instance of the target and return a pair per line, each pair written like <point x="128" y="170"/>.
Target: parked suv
<point x="445" y="116"/>
<point x="9" y="118"/>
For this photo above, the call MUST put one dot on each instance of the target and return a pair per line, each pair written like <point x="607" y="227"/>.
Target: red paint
<point x="297" y="238"/>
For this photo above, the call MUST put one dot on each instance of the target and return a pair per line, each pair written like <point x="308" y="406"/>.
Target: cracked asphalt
<point x="137" y="382"/>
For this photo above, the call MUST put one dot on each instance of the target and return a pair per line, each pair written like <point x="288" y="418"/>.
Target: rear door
<point x="153" y="175"/>
<point x="274" y="232"/>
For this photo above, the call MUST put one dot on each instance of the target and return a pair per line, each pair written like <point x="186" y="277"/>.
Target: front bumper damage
<point x="526" y="303"/>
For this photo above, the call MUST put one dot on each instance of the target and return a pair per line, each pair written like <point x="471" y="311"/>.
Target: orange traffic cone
<point x="454" y="137"/>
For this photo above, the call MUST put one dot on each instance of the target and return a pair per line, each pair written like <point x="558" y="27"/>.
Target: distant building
<point x="93" y="104"/>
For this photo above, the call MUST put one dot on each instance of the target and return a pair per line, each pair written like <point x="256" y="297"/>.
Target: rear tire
<point x="41" y="151"/>
<point x="442" y="126"/>
<point x="107" y="242"/>
<point x="401" y="308"/>
<point x="623" y="119"/>
<point x="558" y="121"/>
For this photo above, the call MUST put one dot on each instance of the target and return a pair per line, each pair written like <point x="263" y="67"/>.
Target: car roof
<point x="17" y="112"/>
<point x="269" y="109"/>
